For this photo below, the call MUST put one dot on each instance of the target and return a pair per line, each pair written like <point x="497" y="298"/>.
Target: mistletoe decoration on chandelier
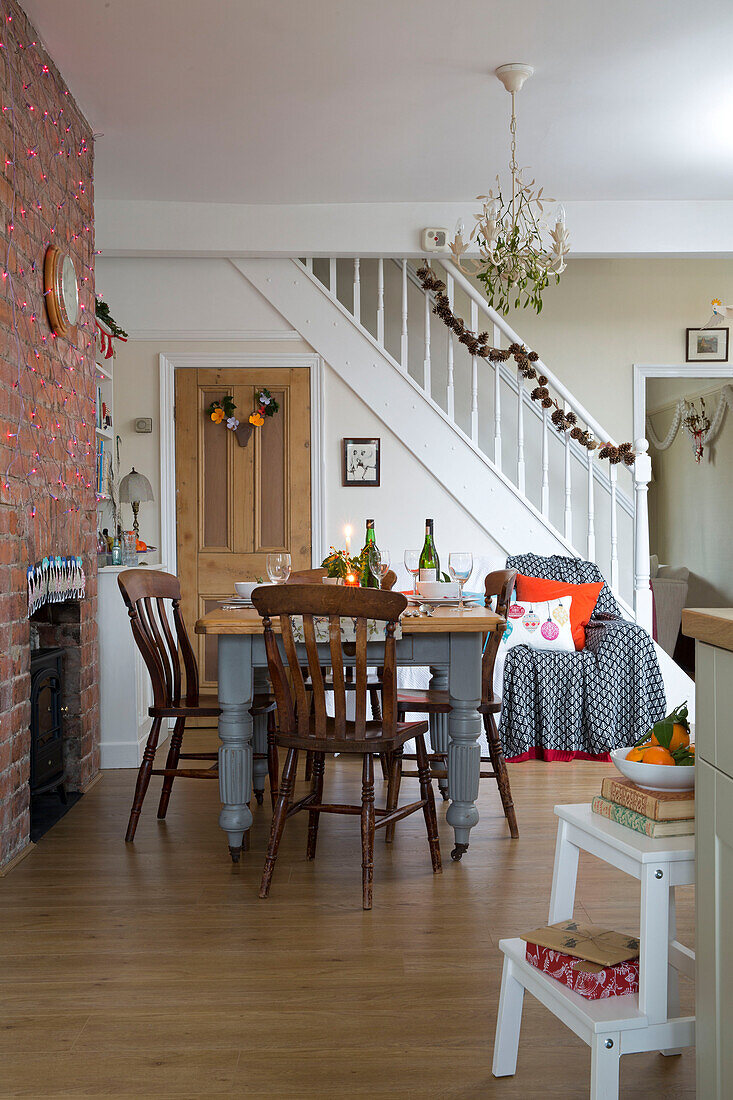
<point x="478" y="344"/>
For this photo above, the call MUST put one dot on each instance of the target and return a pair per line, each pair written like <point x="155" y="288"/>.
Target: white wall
<point x="200" y="296"/>
<point x="691" y="504"/>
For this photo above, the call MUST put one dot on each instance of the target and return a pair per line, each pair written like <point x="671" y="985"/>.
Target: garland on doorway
<point x="478" y="344"/>
<point x="702" y="429"/>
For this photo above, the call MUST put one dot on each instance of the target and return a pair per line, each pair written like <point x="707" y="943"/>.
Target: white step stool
<point x="614" y="1025"/>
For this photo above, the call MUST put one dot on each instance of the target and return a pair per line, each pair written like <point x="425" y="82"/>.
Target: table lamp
<point x="135" y="489"/>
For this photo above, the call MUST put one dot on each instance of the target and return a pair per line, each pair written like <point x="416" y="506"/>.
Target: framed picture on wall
<point x="707" y="345"/>
<point x="361" y="463"/>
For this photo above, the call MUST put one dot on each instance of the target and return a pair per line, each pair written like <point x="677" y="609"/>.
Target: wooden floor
<point x="153" y="969"/>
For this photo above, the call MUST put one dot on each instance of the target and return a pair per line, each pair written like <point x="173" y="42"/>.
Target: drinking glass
<point x="460" y="567"/>
<point x="412" y="565"/>
<point x="278" y="567"/>
<point x="379" y="562"/>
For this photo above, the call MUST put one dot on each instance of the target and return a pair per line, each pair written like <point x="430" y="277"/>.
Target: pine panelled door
<point x="234" y="504"/>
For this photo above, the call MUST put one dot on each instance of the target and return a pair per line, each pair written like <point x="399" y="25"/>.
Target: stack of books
<point x="654" y="813"/>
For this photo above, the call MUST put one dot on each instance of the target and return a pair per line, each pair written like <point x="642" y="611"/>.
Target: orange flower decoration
<point x="257" y="420"/>
<point x="217" y="416"/>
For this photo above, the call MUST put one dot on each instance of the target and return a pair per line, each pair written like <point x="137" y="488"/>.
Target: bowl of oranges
<point x="664" y="758"/>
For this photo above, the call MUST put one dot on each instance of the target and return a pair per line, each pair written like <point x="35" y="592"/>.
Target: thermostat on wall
<point x="435" y="240"/>
<point x="144" y="424"/>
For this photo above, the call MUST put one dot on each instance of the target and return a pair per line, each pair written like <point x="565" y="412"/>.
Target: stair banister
<point x="561" y="390"/>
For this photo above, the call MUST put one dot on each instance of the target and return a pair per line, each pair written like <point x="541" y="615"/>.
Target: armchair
<point x="581" y="704"/>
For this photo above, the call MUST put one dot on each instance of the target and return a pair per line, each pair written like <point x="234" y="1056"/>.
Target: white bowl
<point x="654" y="777"/>
<point x="434" y="590"/>
<point x="245" y="588"/>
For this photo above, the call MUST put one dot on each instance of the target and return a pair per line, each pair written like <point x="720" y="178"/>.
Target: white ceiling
<point x="335" y="101"/>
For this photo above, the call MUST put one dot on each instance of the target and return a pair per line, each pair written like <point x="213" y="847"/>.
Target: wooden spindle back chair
<point x="303" y="722"/>
<point x="153" y="601"/>
<point x="498" y="585"/>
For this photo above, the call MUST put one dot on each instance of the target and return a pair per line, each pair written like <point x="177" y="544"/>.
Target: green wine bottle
<point x="429" y="560"/>
<point x="367" y="578"/>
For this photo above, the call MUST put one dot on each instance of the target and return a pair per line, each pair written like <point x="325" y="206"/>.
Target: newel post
<point x="642" y="591"/>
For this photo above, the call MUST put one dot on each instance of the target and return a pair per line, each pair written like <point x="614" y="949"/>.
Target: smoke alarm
<point x="434" y="240"/>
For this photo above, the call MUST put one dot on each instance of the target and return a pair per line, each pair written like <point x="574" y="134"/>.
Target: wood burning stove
<point x="47" y="753"/>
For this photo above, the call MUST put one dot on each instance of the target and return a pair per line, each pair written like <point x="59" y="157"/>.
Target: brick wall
<point x="47" y="419"/>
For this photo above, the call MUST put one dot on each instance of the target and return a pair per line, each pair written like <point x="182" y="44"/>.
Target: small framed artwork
<point x="361" y="464"/>
<point x="707" y="345"/>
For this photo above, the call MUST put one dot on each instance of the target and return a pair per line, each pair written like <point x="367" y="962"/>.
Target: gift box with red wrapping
<point x="588" y="979"/>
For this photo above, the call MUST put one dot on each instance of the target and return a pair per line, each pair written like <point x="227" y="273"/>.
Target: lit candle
<point x="351" y="581"/>
<point x="347" y="538"/>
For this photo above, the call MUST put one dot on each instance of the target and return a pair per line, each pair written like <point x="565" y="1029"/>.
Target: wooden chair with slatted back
<point x="153" y="602"/>
<point x="315" y="576"/>
<point x="303" y="724"/>
<point x="499" y="584"/>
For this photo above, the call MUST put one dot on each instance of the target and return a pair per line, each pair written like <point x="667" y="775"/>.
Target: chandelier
<point x="519" y="252"/>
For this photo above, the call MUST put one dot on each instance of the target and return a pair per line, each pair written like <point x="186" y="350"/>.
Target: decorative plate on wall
<point x="61" y="290"/>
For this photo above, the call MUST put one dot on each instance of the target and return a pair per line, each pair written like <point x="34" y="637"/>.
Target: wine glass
<point x="379" y="563"/>
<point x="460" y="567"/>
<point x="412" y="565"/>
<point x="278" y="567"/>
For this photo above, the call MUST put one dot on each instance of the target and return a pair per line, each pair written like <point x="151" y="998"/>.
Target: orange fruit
<point x="680" y="738"/>
<point x="637" y="755"/>
<point x="657" y="755"/>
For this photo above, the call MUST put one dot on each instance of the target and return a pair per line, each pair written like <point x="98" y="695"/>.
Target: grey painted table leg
<point x="464" y="724"/>
<point x="235" y="734"/>
<point x="259" y="739"/>
<point x="439" y="722"/>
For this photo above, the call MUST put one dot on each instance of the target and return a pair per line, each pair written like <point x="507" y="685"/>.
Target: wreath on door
<point x="223" y="412"/>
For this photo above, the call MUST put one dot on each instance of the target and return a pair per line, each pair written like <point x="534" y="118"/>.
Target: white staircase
<point x="471" y="422"/>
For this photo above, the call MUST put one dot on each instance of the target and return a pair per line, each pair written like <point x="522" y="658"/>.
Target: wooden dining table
<point x="449" y="642"/>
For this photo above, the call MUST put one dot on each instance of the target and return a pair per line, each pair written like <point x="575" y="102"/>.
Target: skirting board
<point x="17" y="858"/>
<point x="123" y="754"/>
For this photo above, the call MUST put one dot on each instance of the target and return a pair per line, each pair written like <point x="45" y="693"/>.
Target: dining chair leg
<point x="384" y="762"/>
<point x="273" y="760"/>
<point x="174" y="751"/>
<point x="308" y="766"/>
<point x="375" y="704"/>
<point x="496" y="752"/>
<point x="143" y="779"/>
<point x="319" y="760"/>
<point x="426" y="794"/>
<point x="368" y="822"/>
<point x="278" y="819"/>
<point x="393" y="791"/>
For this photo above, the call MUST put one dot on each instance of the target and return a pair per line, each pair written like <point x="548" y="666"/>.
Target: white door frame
<point x="168" y="365"/>
<point x="642" y="371"/>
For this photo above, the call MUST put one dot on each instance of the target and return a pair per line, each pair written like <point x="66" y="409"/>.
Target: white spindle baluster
<point x="357" y="291"/>
<point x="332" y="277"/>
<point x="613" y="474"/>
<point x="591" y="511"/>
<point x="568" y="492"/>
<point x="520" y="433"/>
<point x="474" y="378"/>
<point x="642" y="591"/>
<point x="545" y="505"/>
<point x="309" y="263"/>
<point x="497" y="402"/>
<point x="380" y="301"/>
<point x="403" y="338"/>
<point x="427" y="380"/>
<point x="450" y="393"/>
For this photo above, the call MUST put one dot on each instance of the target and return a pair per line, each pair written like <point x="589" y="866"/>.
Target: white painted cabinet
<point x="124" y="683"/>
<point x="714" y="845"/>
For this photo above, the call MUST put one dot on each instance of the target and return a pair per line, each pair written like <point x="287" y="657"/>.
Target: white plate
<point x="236" y="602"/>
<point x="654" y="777"/>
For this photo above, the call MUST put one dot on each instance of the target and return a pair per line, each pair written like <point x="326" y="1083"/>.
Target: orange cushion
<point x="584" y="596"/>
